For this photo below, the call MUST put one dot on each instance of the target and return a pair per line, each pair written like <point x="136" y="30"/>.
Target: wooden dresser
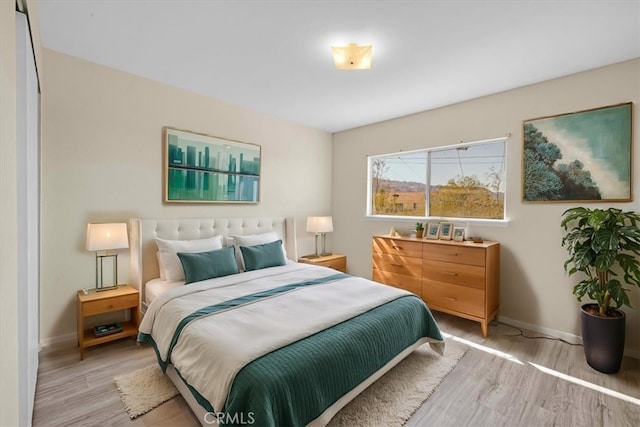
<point x="459" y="278"/>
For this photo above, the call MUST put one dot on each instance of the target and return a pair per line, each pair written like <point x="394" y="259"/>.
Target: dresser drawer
<point x="397" y="247"/>
<point x="454" y="253"/>
<point x="460" y="278"/>
<point x="457" y="274"/>
<point x="453" y="297"/>
<point x="105" y="305"/>
<point x="398" y="264"/>
<point x="408" y="283"/>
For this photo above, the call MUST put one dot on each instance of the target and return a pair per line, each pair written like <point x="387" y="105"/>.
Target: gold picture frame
<point x="584" y="156"/>
<point x="200" y="168"/>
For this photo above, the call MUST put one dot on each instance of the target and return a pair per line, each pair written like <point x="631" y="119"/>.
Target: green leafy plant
<point x="600" y="241"/>
<point x="419" y="226"/>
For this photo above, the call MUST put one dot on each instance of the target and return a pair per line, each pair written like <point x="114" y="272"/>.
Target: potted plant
<point x="602" y="243"/>
<point x="419" y="230"/>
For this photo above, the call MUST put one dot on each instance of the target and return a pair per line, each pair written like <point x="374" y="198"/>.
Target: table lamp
<point x="320" y="225"/>
<point x="104" y="238"/>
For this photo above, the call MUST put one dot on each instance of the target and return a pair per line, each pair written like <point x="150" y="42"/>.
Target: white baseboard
<point x="572" y="338"/>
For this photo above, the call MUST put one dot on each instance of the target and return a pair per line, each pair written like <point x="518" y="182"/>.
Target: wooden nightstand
<point x="124" y="297"/>
<point x="335" y="261"/>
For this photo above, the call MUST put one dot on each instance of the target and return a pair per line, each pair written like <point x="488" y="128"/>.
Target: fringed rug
<point x="390" y="401"/>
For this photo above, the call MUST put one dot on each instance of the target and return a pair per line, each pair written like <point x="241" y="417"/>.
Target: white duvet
<point x="211" y="350"/>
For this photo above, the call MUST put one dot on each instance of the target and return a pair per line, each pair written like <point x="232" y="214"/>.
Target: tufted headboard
<point x="144" y="263"/>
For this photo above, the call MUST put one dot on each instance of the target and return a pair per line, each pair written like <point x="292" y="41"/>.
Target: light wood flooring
<point x="495" y="384"/>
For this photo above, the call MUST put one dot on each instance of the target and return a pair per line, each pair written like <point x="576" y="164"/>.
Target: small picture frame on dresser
<point x="433" y="231"/>
<point x="458" y="234"/>
<point x="446" y="230"/>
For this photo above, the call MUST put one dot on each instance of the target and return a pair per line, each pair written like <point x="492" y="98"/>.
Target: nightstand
<point x="335" y="261"/>
<point x="124" y="297"/>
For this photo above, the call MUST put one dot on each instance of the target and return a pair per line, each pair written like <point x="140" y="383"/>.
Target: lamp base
<point x="106" y="288"/>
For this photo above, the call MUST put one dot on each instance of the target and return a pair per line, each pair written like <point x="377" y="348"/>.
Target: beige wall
<point x="12" y="404"/>
<point x="534" y="290"/>
<point x="8" y="220"/>
<point x="102" y="161"/>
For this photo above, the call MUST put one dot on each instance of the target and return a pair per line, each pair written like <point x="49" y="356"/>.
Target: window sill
<point x="468" y="221"/>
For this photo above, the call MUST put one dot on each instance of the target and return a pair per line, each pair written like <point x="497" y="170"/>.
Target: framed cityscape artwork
<point x="200" y="168"/>
<point x="579" y="157"/>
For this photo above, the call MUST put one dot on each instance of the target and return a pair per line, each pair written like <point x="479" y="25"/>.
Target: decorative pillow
<point x="208" y="265"/>
<point x="263" y="256"/>
<point x="168" y="260"/>
<point x="255" y="239"/>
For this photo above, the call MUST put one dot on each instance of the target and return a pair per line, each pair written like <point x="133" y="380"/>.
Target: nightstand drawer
<point x="335" y="261"/>
<point x="339" y="264"/>
<point x="106" y="305"/>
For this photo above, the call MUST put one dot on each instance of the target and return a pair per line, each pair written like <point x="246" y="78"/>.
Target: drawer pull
<point x="397" y="265"/>
<point x="450" y="273"/>
<point x="453" y="253"/>
<point x="452" y="298"/>
<point x="397" y="248"/>
<point x="110" y="305"/>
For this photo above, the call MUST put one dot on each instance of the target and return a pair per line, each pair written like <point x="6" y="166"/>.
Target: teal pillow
<point x="263" y="256"/>
<point x="208" y="265"/>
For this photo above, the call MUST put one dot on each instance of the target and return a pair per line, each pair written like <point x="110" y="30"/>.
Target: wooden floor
<point x="497" y="383"/>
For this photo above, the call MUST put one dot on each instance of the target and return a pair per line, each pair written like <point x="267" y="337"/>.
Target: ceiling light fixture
<point x="352" y="57"/>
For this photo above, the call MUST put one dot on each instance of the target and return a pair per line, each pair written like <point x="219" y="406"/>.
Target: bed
<point x="288" y="344"/>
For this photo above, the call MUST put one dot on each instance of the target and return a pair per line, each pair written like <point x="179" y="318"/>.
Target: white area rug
<point x="144" y="389"/>
<point x="390" y="401"/>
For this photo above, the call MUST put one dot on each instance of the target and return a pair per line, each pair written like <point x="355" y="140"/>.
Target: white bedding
<point x="155" y="287"/>
<point x="246" y="332"/>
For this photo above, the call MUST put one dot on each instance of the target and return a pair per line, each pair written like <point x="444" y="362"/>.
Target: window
<point x="463" y="181"/>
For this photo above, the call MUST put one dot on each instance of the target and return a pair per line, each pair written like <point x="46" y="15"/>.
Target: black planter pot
<point x="603" y="339"/>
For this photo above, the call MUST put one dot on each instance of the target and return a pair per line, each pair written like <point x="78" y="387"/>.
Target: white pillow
<point x="162" y="275"/>
<point x="169" y="262"/>
<point x="252" y="240"/>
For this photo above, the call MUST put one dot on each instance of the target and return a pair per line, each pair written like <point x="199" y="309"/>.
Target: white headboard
<point x="144" y="263"/>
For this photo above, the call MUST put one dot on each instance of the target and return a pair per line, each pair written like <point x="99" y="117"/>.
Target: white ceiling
<point x="275" y="56"/>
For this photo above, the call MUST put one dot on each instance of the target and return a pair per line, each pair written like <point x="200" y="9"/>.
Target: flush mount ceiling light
<point x="352" y="57"/>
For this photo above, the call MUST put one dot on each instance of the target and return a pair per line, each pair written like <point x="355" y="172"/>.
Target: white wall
<point x="102" y="161"/>
<point x="534" y="289"/>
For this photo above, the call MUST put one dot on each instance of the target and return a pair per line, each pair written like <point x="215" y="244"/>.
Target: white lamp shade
<point x="102" y="237"/>
<point x="319" y="224"/>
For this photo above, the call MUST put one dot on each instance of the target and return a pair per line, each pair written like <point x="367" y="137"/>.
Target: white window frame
<point x="477" y="221"/>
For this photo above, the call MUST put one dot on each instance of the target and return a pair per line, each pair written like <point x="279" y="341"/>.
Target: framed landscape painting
<point x="579" y="157"/>
<point x="200" y="168"/>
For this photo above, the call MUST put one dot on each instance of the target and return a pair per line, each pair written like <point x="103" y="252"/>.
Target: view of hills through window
<point x="464" y="182"/>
